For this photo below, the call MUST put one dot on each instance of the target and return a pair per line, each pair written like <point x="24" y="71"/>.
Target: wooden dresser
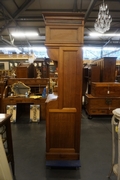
<point x="64" y="41"/>
<point x="104" y="97"/>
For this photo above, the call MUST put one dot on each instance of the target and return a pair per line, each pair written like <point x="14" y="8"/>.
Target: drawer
<point x="98" y="111"/>
<point x="97" y="103"/>
<point x="101" y="106"/>
<point x="11" y="101"/>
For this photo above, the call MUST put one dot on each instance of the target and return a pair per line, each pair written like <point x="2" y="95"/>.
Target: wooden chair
<point x="5" y="171"/>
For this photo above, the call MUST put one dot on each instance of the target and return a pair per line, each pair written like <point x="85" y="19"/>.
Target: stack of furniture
<point x="104" y="95"/>
<point x="101" y="70"/>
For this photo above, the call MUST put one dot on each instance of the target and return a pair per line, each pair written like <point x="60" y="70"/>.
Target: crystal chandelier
<point x="102" y="23"/>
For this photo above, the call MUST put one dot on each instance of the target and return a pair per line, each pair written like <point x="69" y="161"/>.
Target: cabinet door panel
<point x="62" y="141"/>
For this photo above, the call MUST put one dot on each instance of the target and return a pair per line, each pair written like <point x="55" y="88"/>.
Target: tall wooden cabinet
<point x="104" y="95"/>
<point x="90" y="74"/>
<point x="107" y="67"/>
<point x="64" y="40"/>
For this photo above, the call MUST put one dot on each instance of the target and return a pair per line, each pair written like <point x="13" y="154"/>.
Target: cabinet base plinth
<point x="67" y="163"/>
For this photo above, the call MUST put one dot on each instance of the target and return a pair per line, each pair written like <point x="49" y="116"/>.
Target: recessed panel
<point x="62" y="130"/>
<point x="66" y="34"/>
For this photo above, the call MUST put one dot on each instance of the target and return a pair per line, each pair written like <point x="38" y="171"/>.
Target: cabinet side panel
<point x="109" y="69"/>
<point x="69" y="78"/>
<point x="70" y="83"/>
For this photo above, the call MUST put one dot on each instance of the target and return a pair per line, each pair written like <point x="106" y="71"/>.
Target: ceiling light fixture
<point x="102" y="23"/>
<point x="104" y="35"/>
<point x="25" y="34"/>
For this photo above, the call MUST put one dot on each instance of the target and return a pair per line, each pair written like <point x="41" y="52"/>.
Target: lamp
<point x="24" y="34"/>
<point x="102" y="23"/>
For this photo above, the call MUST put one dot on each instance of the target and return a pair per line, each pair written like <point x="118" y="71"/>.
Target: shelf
<point x="15" y="56"/>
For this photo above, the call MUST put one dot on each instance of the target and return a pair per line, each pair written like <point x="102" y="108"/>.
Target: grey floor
<point x="95" y="151"/>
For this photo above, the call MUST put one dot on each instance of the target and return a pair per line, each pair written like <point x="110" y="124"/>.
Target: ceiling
<point x="26" y="15"/>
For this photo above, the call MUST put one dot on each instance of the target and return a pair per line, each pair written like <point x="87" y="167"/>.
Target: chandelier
<point x="102" y="23"/>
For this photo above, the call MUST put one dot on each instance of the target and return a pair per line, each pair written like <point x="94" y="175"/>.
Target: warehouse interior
<point x="59" y="90"/>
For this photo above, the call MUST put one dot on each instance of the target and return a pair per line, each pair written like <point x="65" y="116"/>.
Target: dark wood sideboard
<point x="104" y="98"/>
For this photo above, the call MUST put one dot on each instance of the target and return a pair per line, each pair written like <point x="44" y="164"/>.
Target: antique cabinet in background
<point x="25" y="70"/>
<point x="91" y="74"/>
<point x="64" y="41"/>
<point x="104" y="98"/>
<point x="107" y="67"/>
<point x="42" y="67"/>
<point x="2" y="86"/>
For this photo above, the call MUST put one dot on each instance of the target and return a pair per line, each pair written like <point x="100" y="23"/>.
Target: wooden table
<point x="19" y="100"/>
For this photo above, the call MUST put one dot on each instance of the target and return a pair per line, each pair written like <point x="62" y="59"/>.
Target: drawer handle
<point x="108" y="101"/>
<point x="102" y="111"/>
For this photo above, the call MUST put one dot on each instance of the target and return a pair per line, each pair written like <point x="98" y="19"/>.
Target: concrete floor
<point x="95" y="151"/>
